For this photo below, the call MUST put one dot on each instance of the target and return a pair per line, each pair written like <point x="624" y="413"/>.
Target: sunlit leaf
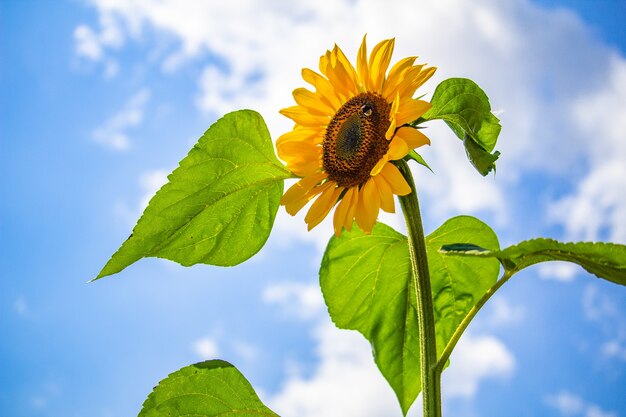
<point x="465" y="108"/>
<point x="604" y="260"/>
<point x="219" y="205"/>
<point x="457" y="284"/>
<point x="206" y="389"/>
<point x="367" y="284"/>
<point x="418" y="158"/>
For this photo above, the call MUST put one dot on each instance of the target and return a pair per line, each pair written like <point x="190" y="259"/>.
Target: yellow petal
<point x="394" y="178"/>
<point x="371" y="200"/>
<point x="361" y="64"/>
<point x="302" y="117"/>
<point x="341" y="57"/>
<point x="379" y="62"/>
<point x="322" y="205"/>
<point x="392" y="118"/>
<point x="322" y="86"/>
<point x="410" y="110"/>
<point x="300" y="134"/>
<point x="386" y="195"/>
<point x="302" y="188"/>
<point x="379" y="165"/>
<point x="352" y="205"/>
<point x="339" y="218"/>
<point x="414" y="138"/>
<point x="396" y="74"/>
<point x="410" y="82"/>
<point x="424" y="76"/>
<point x="397" y="149"/>
<point x="348" y="84"/>
<point x="312" y="102"/>
<point x="361" y="216"/>
<point x="302" y="158"/>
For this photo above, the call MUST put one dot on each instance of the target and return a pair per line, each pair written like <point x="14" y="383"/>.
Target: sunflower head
<point x="347" y="133"/>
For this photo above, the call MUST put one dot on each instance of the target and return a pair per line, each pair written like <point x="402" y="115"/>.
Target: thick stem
<point x="430" y="374"/>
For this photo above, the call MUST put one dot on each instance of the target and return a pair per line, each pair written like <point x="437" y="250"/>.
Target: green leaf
<point x="465" y="108"/>
<point x="210" y="388"/>
<point x="419" y="159"/>
<point x="604" y="260"/>
<point x="457" y="284"/>
<point x="367" y="285"/>
<point x="483" y="161"/>
<point x="219" y="205"/>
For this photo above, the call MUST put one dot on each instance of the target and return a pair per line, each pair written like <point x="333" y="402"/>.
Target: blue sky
<point x="101" y="99"/>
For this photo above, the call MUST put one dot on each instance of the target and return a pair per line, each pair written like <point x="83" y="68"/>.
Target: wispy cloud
<point x="501" y="312"/>
<point x="20" y="306"/>
<point x="344" y="383"/>
<point x="260" y="53"/>
<point x="603" y="310"/>
<point x="558" y="271"/>
<point x="112" y="133"/>
<point x="92" y="45"/>
<point x="206" y="348"/>
<point x="474" y="359"/>
<point x="296" y="299"/>
<point x="572" y="405"/>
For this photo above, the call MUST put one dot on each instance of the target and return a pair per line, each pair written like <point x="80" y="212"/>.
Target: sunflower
<point x="347" y="133"/>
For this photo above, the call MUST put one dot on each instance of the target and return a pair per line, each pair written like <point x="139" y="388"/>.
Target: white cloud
<point x="245" y="350"/>
<point x="568" y="404"/>
<point x="595" y="411"/>
<point x="501" y="312"/>
<point x="150" y="183"/>
<point x="87" y="43"/>
<point x="597" y="306"/>
<point x="112" y="134"/>
<point x="301" y="300"/>
<point x="601" y="309"/>
<point x="92" y="45"/>
<point x="558" y="271"/>
<point x="206" y="348"/>
<point x="20" y="306"/>
<point x="596" y="209"/>
<point x="474" y="359"/>
<point x="529" y="60"/>
<point x="345" y="383"/>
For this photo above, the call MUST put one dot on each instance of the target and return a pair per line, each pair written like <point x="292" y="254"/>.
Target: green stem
<point x="430" y="375"/>
<point x="445" y="355"/>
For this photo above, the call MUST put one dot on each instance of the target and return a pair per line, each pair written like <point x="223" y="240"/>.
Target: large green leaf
<point x="457" y="284"/>
<point x="465" y="108"/>
<point x="205" y="389"/>
<point x="604" y="260"/>
<point x="219" y="205"/>
<point x="367" y="284"/>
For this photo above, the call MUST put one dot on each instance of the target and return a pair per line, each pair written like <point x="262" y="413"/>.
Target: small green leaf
<point x="367" y="285"/>
<point x="483" y="161"/>
<point x="205" y="389"/>
<point x="219" y="205"/>
<point x="418" y="158"/>
<point x="604" y="260"/>
<point x="465" y="108"/>
<point x="457" y="284"/>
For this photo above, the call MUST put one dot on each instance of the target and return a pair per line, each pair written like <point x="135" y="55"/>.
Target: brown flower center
<point x="355" y="139"/>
